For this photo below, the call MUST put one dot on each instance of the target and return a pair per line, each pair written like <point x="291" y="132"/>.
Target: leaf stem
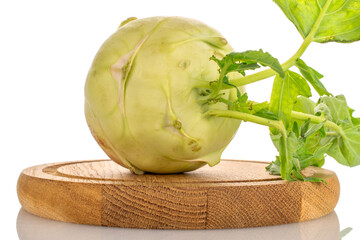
<point x="220" y="82"/>
<point x="277" y="124"/>
<point x="290" y="62"/>
<point x="332" y="134"/>
<point x="315" y="119"/>
<point x="269" y="72"/>
<point x="247" y="118"/>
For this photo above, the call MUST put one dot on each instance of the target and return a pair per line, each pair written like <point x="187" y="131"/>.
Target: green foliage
<point x="346" y="146"/>
<point x="305" y="105"/>
<point x="303" y="131"/>
<point x="312" y="76"/>
<point x="242" y="61"/>
<point x="335" y="20"/>
<point x="296" y="151"/>
<point x="312" y="141"/>
<point x="337" y="110"/>
<point x="249" y="60"/>
<point x="344" y="232"/>
<point x="284" y="94"/>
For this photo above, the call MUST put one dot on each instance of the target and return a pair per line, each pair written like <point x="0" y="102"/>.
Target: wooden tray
<point x="233" y="194"/>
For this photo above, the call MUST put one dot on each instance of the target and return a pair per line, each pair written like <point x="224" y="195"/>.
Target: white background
<point x="46" y="48"/>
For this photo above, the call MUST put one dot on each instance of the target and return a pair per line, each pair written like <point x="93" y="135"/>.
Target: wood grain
<point x="234" y="194"/>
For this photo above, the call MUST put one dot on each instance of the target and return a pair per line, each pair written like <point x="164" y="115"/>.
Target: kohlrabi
<point x="165" y="95"/>
<point x="143" y="105"/>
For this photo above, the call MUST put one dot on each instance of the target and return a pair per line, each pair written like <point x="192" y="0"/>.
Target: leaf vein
<point x="319" y="5"/>
<point x="339" y="9"/>
<point x="296" y="22"/>
<point x="338" y="34"/>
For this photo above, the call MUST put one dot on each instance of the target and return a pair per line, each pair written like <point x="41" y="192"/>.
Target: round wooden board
<point x="233" y="194"/>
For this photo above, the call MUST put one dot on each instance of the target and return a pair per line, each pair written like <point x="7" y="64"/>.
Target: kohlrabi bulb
<point x="143" y="96"/>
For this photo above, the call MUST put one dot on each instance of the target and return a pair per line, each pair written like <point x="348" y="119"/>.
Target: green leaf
<point x="240" y="62"/>
<point x="288" y="164"/>
<point x="346" y="148"/>
<point x="315" y="144"/>
<point x="341" y="141"/>
<point x="275" y="138"/>
<point x="287" y="148"/>
<point x="311" y="146"/>
<point x="242" y="67"/>
<point x="305" y="128"/>
<point x="283" y="97"/>
<point x="242" y="104"/>
<point x="314" y="157"/>
<point x="355" y="121"/>
<point x="336" y="109"/>
<point x="305" y="147"/>
<point x="296" y="172"/>
<point x="219" y="62"/>
<point x="274" y="167"/>
<point x="344" y="232"/>
<point x="262" y="110"/>
<point x="314" y="129"/>
<point x="284" y="94"/>
<point x="238" y="93"/>
<point x="265" y="113"/>
<point x="350" y="146"/>
<point x="313" y="179"/>
<point x="296" y="129"/>
<point x="296" y="153"/>
<point x="299" y="83"/>
<point x="322" y="132"/>
<point x="312" y="76"/>
<point x="333" y="20"/>
<point x="304" y="104"/>
<point x="227" y="65"/>
<point x="252" y="56"/>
